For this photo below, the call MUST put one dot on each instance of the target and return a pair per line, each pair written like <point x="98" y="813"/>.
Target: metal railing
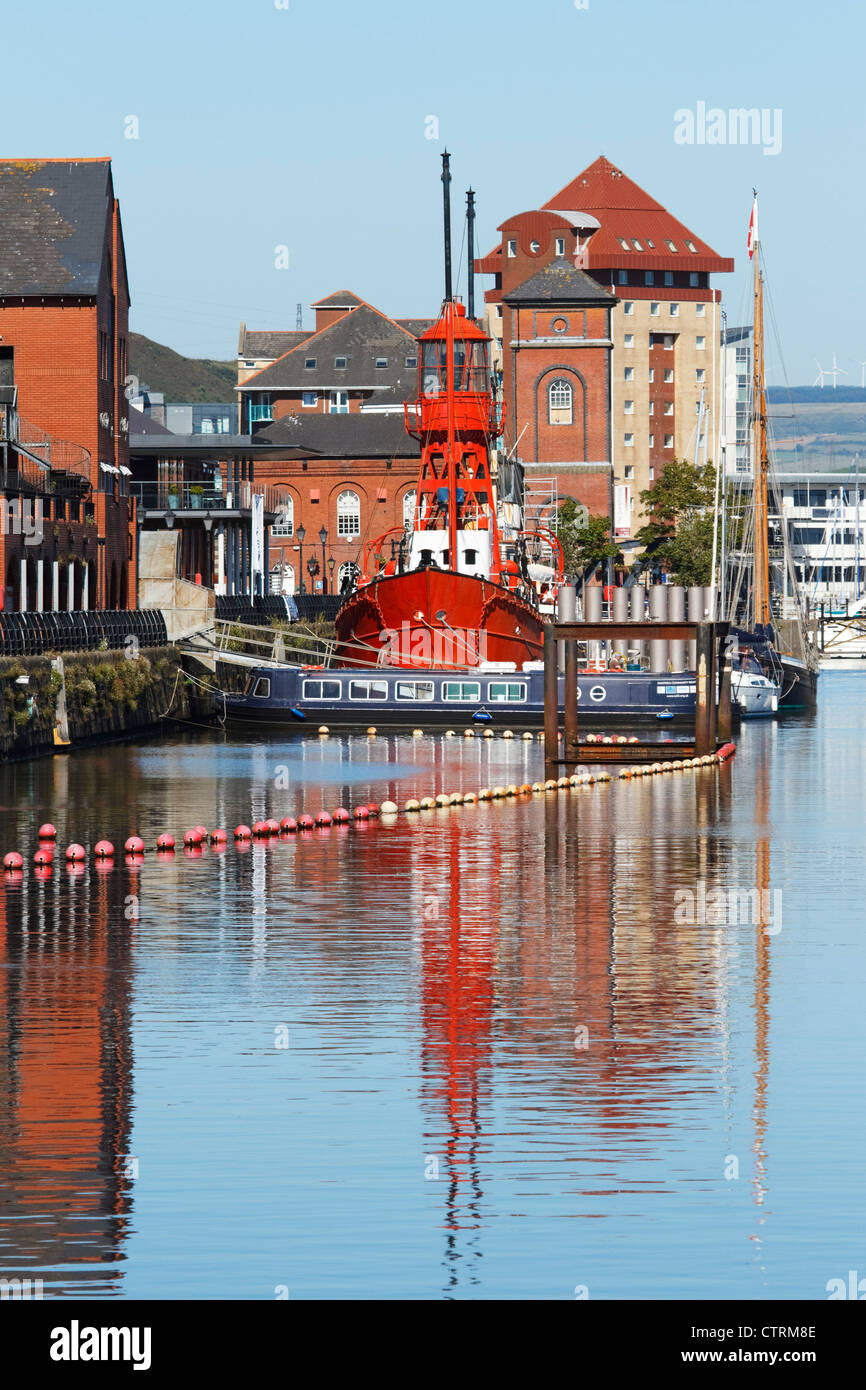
<point x="39" y="462"/>
<point x="277" y="646"/>
<point x="167" y="496"/>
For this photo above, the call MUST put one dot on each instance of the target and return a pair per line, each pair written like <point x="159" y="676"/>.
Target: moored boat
<point x="461" y="587"/>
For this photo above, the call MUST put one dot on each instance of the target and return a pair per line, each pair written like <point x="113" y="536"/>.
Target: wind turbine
<point x="862" y="366"/>
<point x="822" y="372"/>
<point x="836" y="371"/>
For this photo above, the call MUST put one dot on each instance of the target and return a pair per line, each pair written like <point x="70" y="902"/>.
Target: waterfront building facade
<point x="664" y="327"/>
<point x="64" y="307"/>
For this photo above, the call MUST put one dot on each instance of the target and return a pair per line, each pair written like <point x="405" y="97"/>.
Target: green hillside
<point x="180" y="378"/>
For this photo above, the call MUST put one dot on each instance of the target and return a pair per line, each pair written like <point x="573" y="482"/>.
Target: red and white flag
<point x="753" y="229"/>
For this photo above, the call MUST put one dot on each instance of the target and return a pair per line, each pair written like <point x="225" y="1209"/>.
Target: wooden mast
<point x="761" y="582"/>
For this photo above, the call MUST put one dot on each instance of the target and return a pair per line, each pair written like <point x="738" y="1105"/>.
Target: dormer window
<point x="534" y="247"/>
<point x="512" y="248"/>
<point x="309" y="363"/>
<point x="381" y="362"/>
<point x="340" y="363"/>
<point x="623" y="243"/>
<point x="690" y="246"/>
<point x="670" y="245"/>
<point x="636" y="244"/>
<point x="411" y="361"/>
<point x="650" y="244"/>
<point x="560" y="246"/>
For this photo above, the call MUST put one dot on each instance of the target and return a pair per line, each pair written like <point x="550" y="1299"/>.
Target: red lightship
<point x="458" y="592"/>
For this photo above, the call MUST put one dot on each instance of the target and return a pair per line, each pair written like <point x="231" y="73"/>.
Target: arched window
<point x="346" y="576"/>
<point x="348" y="514"/>
<point x="559" y="402"/>
<point x="409" y="508"/>
<point x="285" y="522"/>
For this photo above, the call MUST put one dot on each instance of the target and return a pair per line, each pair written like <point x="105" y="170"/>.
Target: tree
<point x="679" y="532"/>
<point x="584" y="538"/>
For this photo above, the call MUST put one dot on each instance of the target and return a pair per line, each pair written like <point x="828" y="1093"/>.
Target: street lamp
<point x="313" y="569"/>
<point x="323" y="538"/>
<point x="300" y="533"/>
<point x="331" y="564"/>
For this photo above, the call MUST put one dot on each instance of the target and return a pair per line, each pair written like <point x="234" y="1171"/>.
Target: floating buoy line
<point x="387" y="812"/>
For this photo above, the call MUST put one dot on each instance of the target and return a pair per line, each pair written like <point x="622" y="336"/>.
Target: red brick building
<point x="64" y="309"/>
<point x="355" y="353"/>
<point x="661" y="344"/>
<point x="556" y="367"/>
<point x="356" y="482"/>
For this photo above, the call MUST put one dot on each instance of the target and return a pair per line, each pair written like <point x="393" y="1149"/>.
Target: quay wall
<point x="109" y="695"/>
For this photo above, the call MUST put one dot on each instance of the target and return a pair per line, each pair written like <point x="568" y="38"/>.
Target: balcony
<point x="261" y="414"/>
<point x="192" y="497"/>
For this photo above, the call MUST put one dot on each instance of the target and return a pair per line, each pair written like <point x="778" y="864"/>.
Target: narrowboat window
<point x="368" y="690"/>
<point x="461" y="690"/>
<point x="414" y="690"/>
<point x="506" y="690"/>
<point x="321" y="690"/>
<point x="263" y="689"/>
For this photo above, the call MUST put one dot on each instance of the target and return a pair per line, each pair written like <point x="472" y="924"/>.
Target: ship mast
<point x="761" y="582"/>
<point x="451" y="471"/>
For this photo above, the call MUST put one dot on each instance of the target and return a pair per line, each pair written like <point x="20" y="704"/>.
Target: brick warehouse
<point x="337" y="392"/>
<point x="64" y="308"/>
<point x="663" y="342"/>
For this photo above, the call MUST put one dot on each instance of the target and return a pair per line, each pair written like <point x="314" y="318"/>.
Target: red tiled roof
<point x="625" y="210"/>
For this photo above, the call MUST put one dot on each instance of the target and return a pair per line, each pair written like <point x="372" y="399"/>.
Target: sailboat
<point x="778" y="649"/>
<point x="457" y="591"/>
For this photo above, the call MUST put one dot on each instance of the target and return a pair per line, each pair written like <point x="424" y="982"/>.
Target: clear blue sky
<point x="305" y="126"/>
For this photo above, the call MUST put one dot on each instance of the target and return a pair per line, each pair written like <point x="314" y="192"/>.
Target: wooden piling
<point x="571" y="707"/>
<point x="551" y="698"/>
<point x="705" y="694"/>
<point x="725" y="715"/>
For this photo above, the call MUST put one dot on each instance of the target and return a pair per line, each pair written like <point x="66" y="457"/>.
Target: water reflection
<point x="66" y="1081"/>
<point x="570" y="1047"/>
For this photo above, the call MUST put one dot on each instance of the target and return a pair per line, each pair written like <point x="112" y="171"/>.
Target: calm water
<point x="476" y="1054"/>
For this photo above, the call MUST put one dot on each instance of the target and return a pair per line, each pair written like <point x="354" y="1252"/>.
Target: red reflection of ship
<point x="462" y="590"/>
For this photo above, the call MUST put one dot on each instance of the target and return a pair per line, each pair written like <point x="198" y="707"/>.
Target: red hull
<point x="392" y="622"/>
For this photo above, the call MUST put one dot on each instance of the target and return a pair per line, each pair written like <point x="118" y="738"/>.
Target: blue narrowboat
<point x="495" y="695"/>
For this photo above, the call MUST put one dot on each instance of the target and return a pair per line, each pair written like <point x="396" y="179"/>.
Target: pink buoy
<point x="193" y="837"/>
<point x="47" y="831"/>
<point x="242" y="832"/>
<point x="201" y="831"/>
<point x="273" y="826"/>
<point x="74" y="853"/>
<point x="260" y="829"/>
<point x="372" y="809"/>
<point x="361" y="813"/>
<point x="323" y="818"/>
<point x="134" y="845"/>
<point x="103" y="849"/>
<point x="305" y="822"/>
<point x="288" y="825"/>
<point x="43" y="856"/>
<point x="165" y="842"/>
<point x="341" y="815"/>
<point x="12" y="860"/>
<point x="218" y="837"/>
